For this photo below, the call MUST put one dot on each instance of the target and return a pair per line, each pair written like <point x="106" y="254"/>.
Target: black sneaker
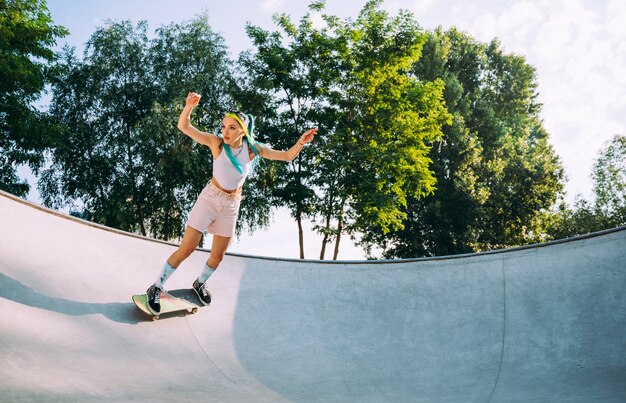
<point x="203" y="293"/>
<point x="154" y="299"/>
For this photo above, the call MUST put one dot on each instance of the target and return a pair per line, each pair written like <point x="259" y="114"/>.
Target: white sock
<point x="165" y="274"/>
<point x="206" y="273"/>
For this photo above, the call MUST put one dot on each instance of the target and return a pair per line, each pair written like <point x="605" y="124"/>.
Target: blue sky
<point x="577" y="46"/>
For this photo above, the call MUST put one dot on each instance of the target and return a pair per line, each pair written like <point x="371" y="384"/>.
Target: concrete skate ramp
<point x="544" y="323"/>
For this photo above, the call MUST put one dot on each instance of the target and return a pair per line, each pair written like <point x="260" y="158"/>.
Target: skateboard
<point x="171" y="301"/>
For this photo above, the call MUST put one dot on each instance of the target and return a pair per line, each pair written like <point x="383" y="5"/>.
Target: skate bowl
<point x="541" y="323"/>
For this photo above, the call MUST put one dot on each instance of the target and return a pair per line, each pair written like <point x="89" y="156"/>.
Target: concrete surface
<point x="545" y="323"/>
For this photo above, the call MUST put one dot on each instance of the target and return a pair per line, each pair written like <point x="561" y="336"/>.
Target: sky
<point x="577" y="46"/>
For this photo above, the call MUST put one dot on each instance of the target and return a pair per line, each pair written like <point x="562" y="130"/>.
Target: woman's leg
<point x="218" y="250"/>
<point x="190" y="242"/>
<point x="191" y="238"/>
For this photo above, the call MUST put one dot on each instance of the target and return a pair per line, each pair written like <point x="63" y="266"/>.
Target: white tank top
<point x="224" y="171"/>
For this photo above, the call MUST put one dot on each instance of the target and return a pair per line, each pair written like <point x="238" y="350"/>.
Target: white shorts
<point x="215" y="211"/>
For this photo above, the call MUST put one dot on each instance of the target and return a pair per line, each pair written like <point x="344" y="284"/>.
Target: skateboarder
<point x="217" y="207"/>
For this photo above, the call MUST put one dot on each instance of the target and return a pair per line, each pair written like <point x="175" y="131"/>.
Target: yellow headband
<point x="238" y="119"/>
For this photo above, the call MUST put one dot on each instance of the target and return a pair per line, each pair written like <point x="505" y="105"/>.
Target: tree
<point x="282" y="84"/>
<point x="609" y="181"/>
<point x="101" y="100"/>
<point x="351" y="79"/>
<point x="582" y="218"/>
<point x="608" y="209"/>
<point x="122" y="160"/>
<point x="496" y="173"/>
<point x="27" y="35"/>
<point x="395" y="116"/>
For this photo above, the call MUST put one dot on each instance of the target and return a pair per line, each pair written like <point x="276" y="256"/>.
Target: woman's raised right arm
<point x="185" y="126"/>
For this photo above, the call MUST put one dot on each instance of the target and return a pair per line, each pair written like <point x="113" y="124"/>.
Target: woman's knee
<point x="185" y="251"/>
<point x="179" y="256"/>
<point x="217" y="257"/>
<point x="189" y="244"/>
<point x="218" y="250"/>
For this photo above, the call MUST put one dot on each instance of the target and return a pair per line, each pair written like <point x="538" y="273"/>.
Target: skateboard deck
<point x="171" y="301"/>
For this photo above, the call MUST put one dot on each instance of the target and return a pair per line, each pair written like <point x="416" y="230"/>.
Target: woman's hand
<point x="192" y="99"/>
<point x="307" y="136"/>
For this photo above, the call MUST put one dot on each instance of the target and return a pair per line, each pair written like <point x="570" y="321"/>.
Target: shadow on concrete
<point x="120" y="312"/>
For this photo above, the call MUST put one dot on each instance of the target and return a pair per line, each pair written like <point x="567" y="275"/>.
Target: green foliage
<point x="609" y="181"/>
<point x="121" y="159"/>
<point x="496" y="173"/>
<point x="582" y="218"/>
<point x="26" y="37"/>
<point x="282" y="83"/>
<point x="608" y="209"/>
<point x="352" y="80"/>
<point x="429" y="143"/>
<point x="391" y="117"/>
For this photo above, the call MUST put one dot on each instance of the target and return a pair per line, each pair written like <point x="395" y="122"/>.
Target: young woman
<point x="217" y="207"/>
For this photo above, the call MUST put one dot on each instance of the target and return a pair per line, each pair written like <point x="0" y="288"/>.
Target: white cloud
<point x="485" y="27"/>
<point x="616" y="18"/>
<point x="421" y="6"/>
<point x="392" y="7"/>
<point x="579" y="51"/>
<point x="272" y="6"/>
<point x="417" y="7"/>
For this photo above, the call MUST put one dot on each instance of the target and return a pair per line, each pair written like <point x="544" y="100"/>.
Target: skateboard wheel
<point x="155" y="317"/>
<point x="194" y="310"/>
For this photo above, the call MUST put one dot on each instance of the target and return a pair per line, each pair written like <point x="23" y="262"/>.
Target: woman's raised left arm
<point x="290" y="154"/>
